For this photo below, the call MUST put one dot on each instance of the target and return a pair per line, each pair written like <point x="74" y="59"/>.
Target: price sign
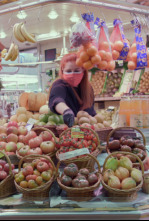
<point x="77" y="133"/>
<point x="30" y="124"/>
<point x="72" y="154"/>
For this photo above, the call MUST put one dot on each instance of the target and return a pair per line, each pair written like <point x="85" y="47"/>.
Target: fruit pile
<point x="35" y="174"/>
<point x="67" y="143"/>
<point x="85" y="120"/>
<point x="98" y="81"/>
<point x="127" y="144"/>
<point x="120" y="174"/>
<point x="113" y="83"/>
<point x="117" y="47"/>
<point x="144" y="83"/>
<point x="4" y="170"/>
<point x="73" y="177"/>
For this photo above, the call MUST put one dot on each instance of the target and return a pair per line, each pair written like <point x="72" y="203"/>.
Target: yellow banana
<point x="26" y="35"/>
<point x="16" y="52"/>
<point x="10" y="52"/>
<point x="17" y="32"/>
<point x="4" y="52"/>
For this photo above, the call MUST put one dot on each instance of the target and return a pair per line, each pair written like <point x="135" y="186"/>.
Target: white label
<point x="30" y="124"/>
<point x="136" y="121"/>
<point x="122" y="121"/>
<point x="72" y="154"/>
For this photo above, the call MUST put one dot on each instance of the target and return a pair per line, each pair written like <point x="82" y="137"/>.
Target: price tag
<point x="30" y="124"/>
<point x="77" y="133"/>
<point x="75" y="153"/>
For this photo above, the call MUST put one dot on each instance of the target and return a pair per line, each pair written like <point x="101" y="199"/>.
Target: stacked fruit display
<point x="35" y="174"/>
<point x="127" y="144"/>
<point x="73" y="177"/>
<point x="85" y="120"/>
<point x="4" y="170"/>
<point x="68" y="143"/>
<point x="98" y="81"/>
<point x="112" y="84"/>
<point x="120" y="174"/>
<point x="144" y="83"/>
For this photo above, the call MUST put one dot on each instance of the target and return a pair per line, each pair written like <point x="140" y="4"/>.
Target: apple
<point x="12" y="124"/>
<point x="27" y="171"/>
<point x="3" y="137"/>
<point x="2" y="163"/>
<point x="6" y="168"/>
<point x="21" y="138"/>
<point x="20" y="145"/>
<point x="46" y="136"/>
<point x="47" y="147"/>
<point x="24" y="150"/>
<point x="35" y="142"/>
<point x="31" y="177"/>
<point x="42" y="166"/>
<point x="1" y="168"/>
<point x="11" y="147"/>
<point x="12" y="130"/>
<point x="3" y="175"/>
<point x="29" y="136"/>
<point x="3" y="130"/>
<point x="12" y="138"/>
<point x="2" y="145"/>
<point x="22" y="130"/>
<point x="36" y="151"/>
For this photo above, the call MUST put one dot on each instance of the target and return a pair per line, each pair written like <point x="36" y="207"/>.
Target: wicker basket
<point x="14" y="159"/>
<point x="49" y="127"/>
<point x="82" y="194"/>
<point x="127" y="128"/>
<point x="103" y="133"/>
<point x="83" y="162"/>
<point x="7" y="186"/>
<point x="122" y="195"/>
<point x="41" y="192"/>
<point x="146" y="184"/>
<point x="39" y="130"/>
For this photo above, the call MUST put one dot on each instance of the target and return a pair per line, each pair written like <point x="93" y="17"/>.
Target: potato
<point x="100" y="126"/>
<point x="82" y="114"/>
<point x="99" y="118"/>
<point x="83" y="120"/>
<point x="93" y="120"/>
<point x="105" y="123"/>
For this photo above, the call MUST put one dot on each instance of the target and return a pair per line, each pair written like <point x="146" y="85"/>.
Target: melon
<point x="44" y="109"/>
<point x="14" y="118"/>
<point x="32" y="101"/>
<point x="23" y="100"/>
<point x="41" y="100"/>
<point x="22" y="118"/>
<point x="21" y="110"/>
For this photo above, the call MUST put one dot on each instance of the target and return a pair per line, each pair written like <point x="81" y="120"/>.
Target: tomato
<point x="42" y="166"/>
<point x="47" y="147"/>
<point x="46" y="175"/>
<point x="28" y="171"/>
<point x="95" y="140"/>
<point x="89" y="142"/>
<point x="94" y="146"/>
<point x="31" y="177"/>
<point x="39" y="180"/>
<point x="85" y="143"/>
<point x="19" y="177"/>
<point x="36" y="172"/>
<point x="32" y="184"/>
<point x="24" y="184"/>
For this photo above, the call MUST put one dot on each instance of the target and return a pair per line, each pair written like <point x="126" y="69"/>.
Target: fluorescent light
<point x="53" y="15"/>
<point x="74" y="18"/>
<point x="2" y="35"/>
<point x="21" y="14"/>
<point x="48" y="36"/>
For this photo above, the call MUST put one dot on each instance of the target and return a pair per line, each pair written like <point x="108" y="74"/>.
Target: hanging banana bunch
<point x="12" y="54"/>
<point x="21" y="34"/>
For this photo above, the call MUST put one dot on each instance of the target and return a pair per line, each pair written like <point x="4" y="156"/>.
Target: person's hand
<point x="69" y="117"/>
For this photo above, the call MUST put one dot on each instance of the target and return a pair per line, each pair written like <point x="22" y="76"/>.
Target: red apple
<point x="46" y="136"/>
<point x="42" y="166"/>
<point x="3" y="130"/>
<point x="35" y="142"/>
<point x="24" y="150"/>
<point x="22" y="130"/>
<point x="3" y="137"/>
<point x="29" y="136"/>
<point x="12" y="124"/>
<point x="1" y="168"/>
<point x="3" y="175"/>
<point x="21" y="138"/>
<point x="6" y="168"/>
<point x="2" y="145"/>
<point x="2" y="163"/>
<point x="11" y="147"/>
<point x="12" y="130"/>
<point x="47" y="147"/>
<point x="20" y="145"/>
<point x="12" y="138"/>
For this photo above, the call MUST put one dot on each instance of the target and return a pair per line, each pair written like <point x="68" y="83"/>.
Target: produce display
<point x="73" y="177"/>
<point x="35" y="174"/>
<point x="120" y="174"/>
<point x="127" y="144"/>
<point x="68" y="143"/>
<point x="85" y="120"/>
<point x="97" y="82"/>
<point x="21" y="34"/>
<point x="112" y="84"/>
<point x="4" y="170"/>
<point x="144" y="83"/>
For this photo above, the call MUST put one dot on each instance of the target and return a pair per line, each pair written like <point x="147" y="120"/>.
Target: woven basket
<point x="7" y="186"/>
<point x="38" y="131"/>
<point x="122" y="195"/>
<point x="49" y="127"/>
<point x="127" y="128"/>
<point x="146" y="184"/>
<point x="80" y="194"/>
<point x="83" y="162"/>
<point x="14" y="159"/>
<point x="103" y="133"/>
<point x="41" y="192"/>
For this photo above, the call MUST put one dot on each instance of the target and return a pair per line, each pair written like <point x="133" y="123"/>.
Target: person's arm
<point x="61" y="108"/>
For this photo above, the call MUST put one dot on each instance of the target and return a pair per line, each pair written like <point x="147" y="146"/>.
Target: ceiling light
<point x="74" y="19"/>
<point x="21" y="15"/>
<point x="48" y="36"/>
<point x="53" y="15"/>
<point x="3" y="35"/>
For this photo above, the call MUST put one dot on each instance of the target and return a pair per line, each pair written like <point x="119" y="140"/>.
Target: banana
<point x="26" y="35"/>
<point x="17" y="32"/>
<point x="16" y="53"/>
<point x="4" y="52"/>
<point x="10" y="52"/>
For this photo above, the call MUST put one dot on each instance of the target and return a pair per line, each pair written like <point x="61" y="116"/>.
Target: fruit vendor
<point x="72" y="92"/>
